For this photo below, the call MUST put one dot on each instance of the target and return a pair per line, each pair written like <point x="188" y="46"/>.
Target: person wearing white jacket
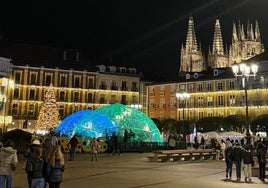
<point x="8" y="163"/>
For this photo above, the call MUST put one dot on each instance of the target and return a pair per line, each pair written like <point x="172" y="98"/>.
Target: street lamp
<point x="183" y="97"/>
<point x="244" y="71"/>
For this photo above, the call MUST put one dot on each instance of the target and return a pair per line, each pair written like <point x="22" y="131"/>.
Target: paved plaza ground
<point x="132" y="170"/>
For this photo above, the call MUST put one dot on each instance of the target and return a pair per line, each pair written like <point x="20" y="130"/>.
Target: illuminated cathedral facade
<point x="246" y="43"/>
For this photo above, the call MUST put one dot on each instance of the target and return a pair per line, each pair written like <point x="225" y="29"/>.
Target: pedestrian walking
<point x="36" y="168"/>
<point x="261" y="155"/>
<point x="55" y="168"/>
<point x="248" y="162"/>
<point x="28" y="155"/>
<point x="228" y="159"/>
<point x="8" y="163"/>
<point x="115" y="144"/>
<point x="222" y="148"/>
<point x="73" y="143"/>
<point x="237" y="156"/>
<point x="94" y="145"/>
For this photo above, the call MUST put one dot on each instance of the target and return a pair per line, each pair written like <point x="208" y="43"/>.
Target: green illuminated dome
<point x="131" y="119"/>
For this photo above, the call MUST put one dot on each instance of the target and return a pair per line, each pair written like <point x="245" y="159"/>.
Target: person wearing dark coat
<point x="55" y="168"/>
<point x="228" y="159"/>
<point x="248" y="162"/>
<point x="36" y="168"/>
<point x="73" y="143"/>
<point x="261" y="155"/>
<point x="237" y="156"/>
<point x="28" y="155"/>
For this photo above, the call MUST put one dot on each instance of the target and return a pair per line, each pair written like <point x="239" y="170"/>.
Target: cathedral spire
<point x="191" y="59"/>
<point x="217" y="47"/>
<point x="243" y="37"/>
<point x="234" y="37"/>
<point x="257" y="32"/>
<point x="191" y="44"/>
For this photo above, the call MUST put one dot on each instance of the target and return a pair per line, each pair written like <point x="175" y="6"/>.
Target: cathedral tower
<point x="217" y="57"/>
<point x="191" y="56"/>
<point x="245" y="45"/>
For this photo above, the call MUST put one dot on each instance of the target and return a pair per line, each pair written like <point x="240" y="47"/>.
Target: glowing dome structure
<point x="131" y="119"/>
<point x="86" y="123"/>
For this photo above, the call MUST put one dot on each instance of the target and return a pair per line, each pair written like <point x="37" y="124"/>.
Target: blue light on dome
<point x="86" y="123"/>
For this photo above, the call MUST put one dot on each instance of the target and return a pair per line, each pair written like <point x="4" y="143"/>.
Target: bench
<point x="182" y="155"/>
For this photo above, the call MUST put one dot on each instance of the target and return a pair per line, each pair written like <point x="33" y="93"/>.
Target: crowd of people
<point x="241" y="155"/>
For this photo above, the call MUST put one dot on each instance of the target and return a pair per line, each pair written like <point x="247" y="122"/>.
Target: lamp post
<point x="244" y="71"/>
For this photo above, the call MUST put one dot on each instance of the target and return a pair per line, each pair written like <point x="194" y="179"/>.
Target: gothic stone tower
<point x="191" y="56"/>
<point x="245" y="44"/>
<point x="217" y="58"/>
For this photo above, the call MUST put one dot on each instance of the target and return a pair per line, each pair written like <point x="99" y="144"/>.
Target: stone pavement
<point x="132" y="170"/>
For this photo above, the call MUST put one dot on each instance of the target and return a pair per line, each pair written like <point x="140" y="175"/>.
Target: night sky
<point x="145" y="34"/>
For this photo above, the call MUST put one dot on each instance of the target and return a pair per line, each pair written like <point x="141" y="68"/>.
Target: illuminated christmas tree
<point x="48" y="117"/>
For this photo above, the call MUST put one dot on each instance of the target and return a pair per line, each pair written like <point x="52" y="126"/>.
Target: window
<point x="102" y="99"/>
<point x="14" y="109"/>
<point x="134" y="86"/>
<point x="61" y="110"/>
<point x="113" y="86"/>
<point x="151" y="89"/>
<point x="77" y="82"/>
<point x="220" y="100"/>
<point x="219" y="86"/>
<point x="209" y="101"/>
<point x="162" y="102"/>
<point x="200" y="101"/>
<point x="102" y="85"/>
<point x="48" y="80"/>
<point x="16" y="94"/>
<point x="173" y="102"/>
<point x="62" y="81"/>
<point x="231" y="85"/>
<point x="200" y="87"/>
<point x="17" y="77"/>
<point x="172" y="88"/>
<point x="89" y="98"/>
<point x="191" y="88"/>
<point x="76" y="96"/>
<point x="31" y="110"/>
<point x="31" y="97"/>
<point x="113" y="99"/>
<point x="209" y="86"/>
<point x="232" y="99"/>
<point x="62" y="96"/>
<point x="124" y="86"/>
<point x="90" y="83"/>
<point x="33" y="78"/>
<point x="124" y="99"/>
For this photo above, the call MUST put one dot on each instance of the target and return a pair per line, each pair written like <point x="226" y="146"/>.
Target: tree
<point x="260" y="124"/>
<point x="208" y="124"/>
<point x="158" y="123"/>
<point x="48" y="117"/>
<point x="170" y="126"/>
<point x="234" y="122"/>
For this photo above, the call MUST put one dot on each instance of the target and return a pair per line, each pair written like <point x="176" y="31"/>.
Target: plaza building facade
<point x="75" y="90"/>
<point x="217" y="93"/>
